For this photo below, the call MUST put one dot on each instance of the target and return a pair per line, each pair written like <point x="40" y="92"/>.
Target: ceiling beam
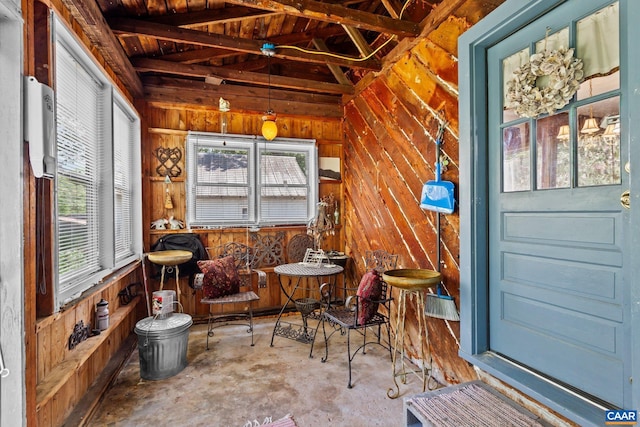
<point x="185" y="35"/>
<point x="211" y="53"/>
<point x="358" y="40"/>
<point x="336" y="14"/>
<point x="192" y="93"/>
<point x="209" y="16"/>
<point x="89" y="16"/>
<point x="335" y="70"/>
<point x="192" y="70"/>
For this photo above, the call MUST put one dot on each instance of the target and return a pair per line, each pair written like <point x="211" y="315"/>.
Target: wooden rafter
<point x="336" y="14"/>
<point x="250" y="99"/>
<point x="185" y="35"/>
<point x="97" y="30"/>
<point x="201" y="71"/>
<point x="212" y="53"/>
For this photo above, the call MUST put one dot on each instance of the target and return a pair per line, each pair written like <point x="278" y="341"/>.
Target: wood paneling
<point x="390" y="129"/>
<point x="166" y="126"/>
<point x="64" y="375"/>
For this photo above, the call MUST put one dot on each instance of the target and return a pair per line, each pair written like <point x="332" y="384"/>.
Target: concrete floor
<point x="234" y="383"/>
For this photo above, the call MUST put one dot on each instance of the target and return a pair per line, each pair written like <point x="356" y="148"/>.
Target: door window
<point x="579" y="144"/>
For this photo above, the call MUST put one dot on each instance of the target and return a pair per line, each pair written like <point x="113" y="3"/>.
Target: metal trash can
<point x="162" y="345"/>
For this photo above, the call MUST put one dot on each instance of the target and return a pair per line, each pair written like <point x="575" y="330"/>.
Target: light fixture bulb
<point x="269" y="127"/>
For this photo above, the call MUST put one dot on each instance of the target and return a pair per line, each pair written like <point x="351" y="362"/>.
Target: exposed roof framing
<point x="169" y="50"/>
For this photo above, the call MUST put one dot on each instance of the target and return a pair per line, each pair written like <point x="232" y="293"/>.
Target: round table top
<point x="171" y="257"/>
<point x="301" y="269"/>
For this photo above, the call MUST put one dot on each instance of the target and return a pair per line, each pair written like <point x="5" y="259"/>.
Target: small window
<point x="240" y="180"/>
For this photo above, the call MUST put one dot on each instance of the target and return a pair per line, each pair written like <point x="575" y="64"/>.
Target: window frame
<point x="70" y="288"/>
<point x="255" y="146"/>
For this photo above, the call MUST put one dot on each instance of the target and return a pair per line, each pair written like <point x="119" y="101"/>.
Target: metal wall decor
<point x="269" y="249"/>
<point x="79" y="334"/>
<point x="169" y="159"/>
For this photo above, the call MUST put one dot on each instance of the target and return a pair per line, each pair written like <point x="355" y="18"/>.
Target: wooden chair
<point x="244" y="263"/>
<point x="345" y="318"/>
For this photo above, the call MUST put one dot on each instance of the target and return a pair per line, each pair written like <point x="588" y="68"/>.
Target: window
<point x="240" y="180"/>
<point x="125" y="141"/>
<point x="579" y="145"/>
<point x="97" y="138"/>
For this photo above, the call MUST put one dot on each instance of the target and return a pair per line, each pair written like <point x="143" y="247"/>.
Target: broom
<point x="439" y="305"/>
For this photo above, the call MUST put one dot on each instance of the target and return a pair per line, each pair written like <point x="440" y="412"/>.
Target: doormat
<point x="472" y="404"/>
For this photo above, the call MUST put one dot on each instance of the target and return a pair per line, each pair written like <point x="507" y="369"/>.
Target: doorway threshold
<point x="563" y="401"/>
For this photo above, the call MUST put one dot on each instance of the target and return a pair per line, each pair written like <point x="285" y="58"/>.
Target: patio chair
<point x="368" y="309"/>
<point x="228" y="279"/>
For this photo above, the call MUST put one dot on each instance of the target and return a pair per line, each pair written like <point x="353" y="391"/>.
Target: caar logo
<point x="621" y="417"/>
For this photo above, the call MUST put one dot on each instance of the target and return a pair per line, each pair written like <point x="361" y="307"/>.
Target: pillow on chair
<point x="220" y="277"/>
<point x="369" y="292"/>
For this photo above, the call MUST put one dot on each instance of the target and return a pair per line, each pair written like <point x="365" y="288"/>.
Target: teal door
<point x="556" y="223"/>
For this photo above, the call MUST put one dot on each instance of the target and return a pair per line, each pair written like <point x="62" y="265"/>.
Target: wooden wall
<point x="57" y="378"/>
<point x="64" y="375"/>
<point x="166" y="126"/>
<point x="390" y="129"/>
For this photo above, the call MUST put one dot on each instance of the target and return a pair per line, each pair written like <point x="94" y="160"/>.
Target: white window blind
<point x="240" y="180"/>
<point x="123" y="154"/>
<point x="79" y="129"/>
<point x="98" y="210"/>
<point x="284" y="185"/>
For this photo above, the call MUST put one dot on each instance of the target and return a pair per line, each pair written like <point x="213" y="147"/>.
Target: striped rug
<point x="472" y="404"/>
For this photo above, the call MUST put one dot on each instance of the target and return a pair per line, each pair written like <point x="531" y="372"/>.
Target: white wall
<point x="12" y="387"/>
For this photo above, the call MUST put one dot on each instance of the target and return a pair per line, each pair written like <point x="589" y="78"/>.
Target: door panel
<point x="556" y="234"/>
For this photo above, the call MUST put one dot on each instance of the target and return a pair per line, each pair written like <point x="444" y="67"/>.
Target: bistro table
<point x="306" y="306"/>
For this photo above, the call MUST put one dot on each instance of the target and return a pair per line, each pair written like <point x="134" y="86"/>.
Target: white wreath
<point x="564" y="74"/>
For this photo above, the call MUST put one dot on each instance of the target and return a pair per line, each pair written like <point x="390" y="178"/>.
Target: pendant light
<point x="269" y="127"/>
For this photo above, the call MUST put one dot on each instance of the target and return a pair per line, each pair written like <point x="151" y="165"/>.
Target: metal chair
<point x="244" y="260"/>
<point x="345" y="318"/>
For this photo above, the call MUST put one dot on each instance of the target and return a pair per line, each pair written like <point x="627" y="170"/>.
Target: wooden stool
<point x="171" y="258"/>
<point x="412" y="283"/>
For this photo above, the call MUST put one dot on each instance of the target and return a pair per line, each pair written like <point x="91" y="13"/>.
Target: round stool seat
<point x="171" y="257"/>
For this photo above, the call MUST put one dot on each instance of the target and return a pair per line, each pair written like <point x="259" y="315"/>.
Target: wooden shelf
<point x="62" y="373"/>
<point x="162" y="178"/>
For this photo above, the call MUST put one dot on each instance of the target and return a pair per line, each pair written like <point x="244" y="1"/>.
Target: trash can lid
<point x="153" y="324"/>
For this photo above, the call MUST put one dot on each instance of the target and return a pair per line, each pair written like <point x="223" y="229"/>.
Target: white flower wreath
<point x="564" y="74"/>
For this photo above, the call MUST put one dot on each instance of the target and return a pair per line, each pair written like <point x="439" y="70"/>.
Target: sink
<point x="172" y="257"/>
<point x="411" y="279"/>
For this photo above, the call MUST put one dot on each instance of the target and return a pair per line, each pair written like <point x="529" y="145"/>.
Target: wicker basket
<point x="307" y="305"/>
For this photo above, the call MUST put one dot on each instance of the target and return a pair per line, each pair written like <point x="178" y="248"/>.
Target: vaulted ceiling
<point x="293" y="56"/>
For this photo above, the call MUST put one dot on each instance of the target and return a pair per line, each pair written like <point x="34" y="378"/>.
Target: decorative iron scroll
<point x="169" y="159"/>
<point x="79" y="334"/>
<point x="301" y="334"/>
<point x="297" y="247"/>
<point x="269" y="249"/>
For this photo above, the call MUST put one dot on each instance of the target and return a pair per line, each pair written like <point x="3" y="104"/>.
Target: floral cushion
<point x="369" y="292"/>
<point x="220" y="277"/>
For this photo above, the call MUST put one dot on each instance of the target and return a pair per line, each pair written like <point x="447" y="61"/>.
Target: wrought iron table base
<point x="308" y="307"/>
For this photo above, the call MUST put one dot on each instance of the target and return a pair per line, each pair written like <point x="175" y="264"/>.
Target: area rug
<point x="472" y="404"/>
<point x="286" y="421"/>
